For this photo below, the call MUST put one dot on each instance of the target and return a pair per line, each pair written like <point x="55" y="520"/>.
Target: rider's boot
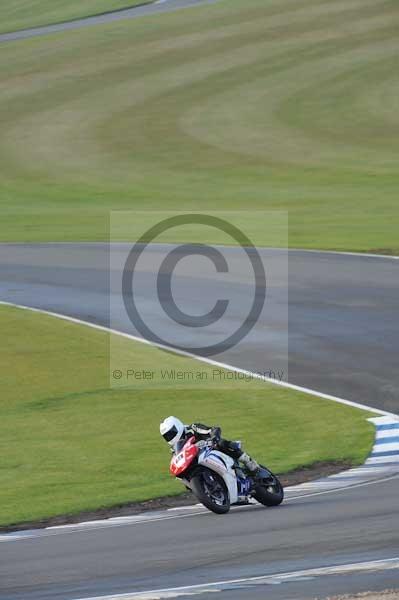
<point x="249" y="463"/>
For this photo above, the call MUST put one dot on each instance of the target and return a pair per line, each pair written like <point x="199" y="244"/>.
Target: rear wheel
<point x="211" y="491"/>
<point x="268" y="490"/>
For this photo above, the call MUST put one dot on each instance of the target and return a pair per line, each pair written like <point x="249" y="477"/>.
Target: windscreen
<point x="180" y="445"/>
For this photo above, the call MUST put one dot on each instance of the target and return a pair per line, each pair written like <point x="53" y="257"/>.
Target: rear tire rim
<point x="273" y="487"/>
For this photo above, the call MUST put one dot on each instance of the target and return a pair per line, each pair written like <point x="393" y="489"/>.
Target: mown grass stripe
<point x="175" y="111"/>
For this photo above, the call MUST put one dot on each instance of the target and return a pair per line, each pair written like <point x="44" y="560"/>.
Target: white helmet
<point x="172" y="429"/>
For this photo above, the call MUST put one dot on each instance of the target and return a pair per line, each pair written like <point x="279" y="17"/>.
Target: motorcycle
<point x="218" y="481"/>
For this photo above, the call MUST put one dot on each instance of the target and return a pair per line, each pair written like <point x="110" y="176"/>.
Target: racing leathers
<point x="205" y="433"/>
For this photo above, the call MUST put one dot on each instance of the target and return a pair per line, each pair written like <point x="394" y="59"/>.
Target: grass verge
<point x="69" y="443"/>
<point x="27" y="13"/>
<point x="255" y="105"/>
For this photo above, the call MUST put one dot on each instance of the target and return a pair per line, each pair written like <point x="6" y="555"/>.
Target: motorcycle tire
<point x="211" y="491"/>
<point x="270" y="493"/>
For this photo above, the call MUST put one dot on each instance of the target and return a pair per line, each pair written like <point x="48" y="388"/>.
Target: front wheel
<point x="268" y="490"/>
<point x="211" y="491"/>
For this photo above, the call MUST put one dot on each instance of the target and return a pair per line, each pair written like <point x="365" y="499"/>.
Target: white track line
<point x="208" y="361"/>
<point x="343" y="253"/>
<point x="308" y="250"/>
<point x="276" y="578"/>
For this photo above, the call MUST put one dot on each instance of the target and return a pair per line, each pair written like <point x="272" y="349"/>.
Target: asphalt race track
<point x="343" y="339"/>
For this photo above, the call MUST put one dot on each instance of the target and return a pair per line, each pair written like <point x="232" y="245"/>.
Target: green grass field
<point x="263" y="104"/>
<point x="21" y="14"/>
<point x="69" y="442"/>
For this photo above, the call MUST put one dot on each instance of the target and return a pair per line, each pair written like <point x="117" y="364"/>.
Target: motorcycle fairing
<point x="223" y="465"/>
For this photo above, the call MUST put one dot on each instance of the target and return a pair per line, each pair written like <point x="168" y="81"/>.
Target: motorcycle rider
<point x="173" y="431"/>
